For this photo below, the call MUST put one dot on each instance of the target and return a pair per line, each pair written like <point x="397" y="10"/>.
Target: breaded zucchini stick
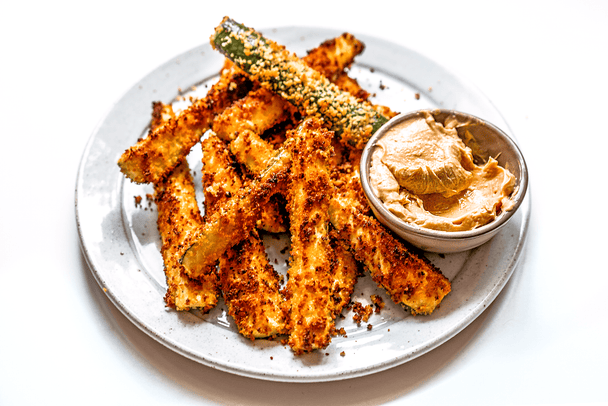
<point x="251" y="289"/>
<point x="334" y="55"/>
<point x="236" y="217"/>
<point x="261" y="109"/>
<point x="257" y="112"/>
<point x="154" y="156"/>
<point x="309" y="285"/>
<point x="276" y="69"/>
<point x="252" y="151"/>
<point x="178" y="216"/>
<point x="410" y="279"/>
<point x="249" y="283"/>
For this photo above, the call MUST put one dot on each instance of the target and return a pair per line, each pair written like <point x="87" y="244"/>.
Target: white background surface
<point x="543" y="64"/>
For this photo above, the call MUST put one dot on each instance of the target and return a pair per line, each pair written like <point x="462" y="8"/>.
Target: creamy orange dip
<point x="425" y="174"/>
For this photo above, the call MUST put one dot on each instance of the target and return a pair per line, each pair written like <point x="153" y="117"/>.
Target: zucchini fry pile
<point x="281" y="140"/>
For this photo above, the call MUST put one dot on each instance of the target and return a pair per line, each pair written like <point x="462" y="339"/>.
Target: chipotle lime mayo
<point x="425" y="174"/>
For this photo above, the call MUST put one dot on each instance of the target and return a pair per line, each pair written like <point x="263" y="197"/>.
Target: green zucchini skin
<point x="282" y="72"/>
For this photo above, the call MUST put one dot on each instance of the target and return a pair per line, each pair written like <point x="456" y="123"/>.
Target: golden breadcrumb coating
<point x="281" y="71"/>
<point x="252" y="151"/>
<point x="344" y="271"/>
<point x="249" y="283"/>
<point x="251" y="288"/>
<point x="410" y="279"/>
<point x="257" y="112"/>
<point x="309" y="285"/>
<point x="154" y="156"/>
<point x="334" y="55"/>
<point x="237" y="216"/>
<point x="222" y="178"/>
<point x="178" y="216"/>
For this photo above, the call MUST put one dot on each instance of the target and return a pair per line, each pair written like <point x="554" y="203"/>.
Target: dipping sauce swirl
<point x="425" y="174"/>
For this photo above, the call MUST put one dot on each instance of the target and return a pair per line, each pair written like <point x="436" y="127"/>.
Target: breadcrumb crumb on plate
<point x="109" y="224"/>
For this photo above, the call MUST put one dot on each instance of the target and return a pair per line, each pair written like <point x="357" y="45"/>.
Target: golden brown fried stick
<point x="258" y="111"/>
<point x="249" y="283"/>
<point x="252" y="151"/>
<point x="154" y="156"/>
<point x="410" y="279"/>
<point x="334" y="55"/>
<point x="251" y="289"/>
<point x="178" y="216"/>
<point x="236" y="217"/>
<point x="309" y="285"/>
<point x="261" y="109"/>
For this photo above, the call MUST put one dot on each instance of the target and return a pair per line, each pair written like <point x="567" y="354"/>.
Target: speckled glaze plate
<point x="121" y="243"/>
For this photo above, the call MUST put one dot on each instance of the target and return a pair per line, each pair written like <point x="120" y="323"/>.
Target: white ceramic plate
<point x="121" y="241"/>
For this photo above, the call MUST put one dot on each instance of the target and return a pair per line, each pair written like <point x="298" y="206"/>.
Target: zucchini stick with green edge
<point x="284" y="73"/>
<point x="237" y="216"/>
<point x="222" y="179"/>
<point x="178" y="217"/>
<point x="249" y="283"/>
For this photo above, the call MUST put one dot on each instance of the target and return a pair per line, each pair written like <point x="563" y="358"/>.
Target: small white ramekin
<point x="493" y="142"/>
